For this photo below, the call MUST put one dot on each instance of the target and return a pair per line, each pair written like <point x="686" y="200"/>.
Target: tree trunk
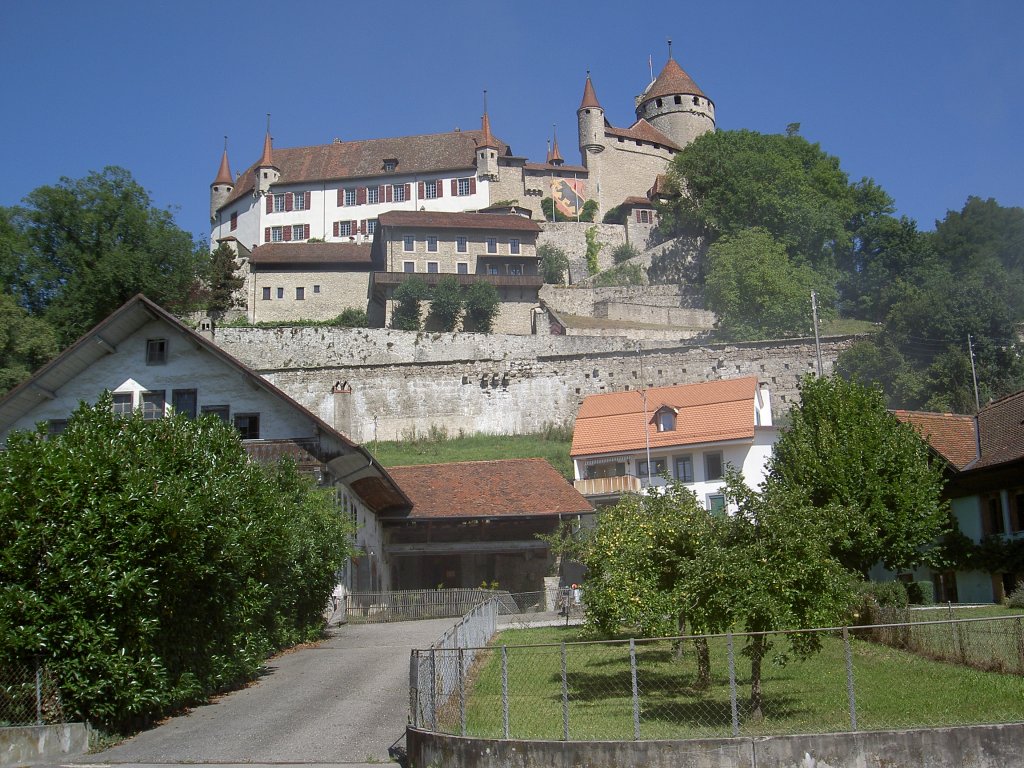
<point x="677" y="645"/>
<point x="757" y="643"/>
<point x="703" y="662"/>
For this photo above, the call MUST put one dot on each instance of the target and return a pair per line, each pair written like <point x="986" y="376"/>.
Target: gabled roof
<point x="641" y="130"/>
<point x="1001" y="427"/>
<point x="709" y="412"/>
<point x="447" y="220"/>
<point x="635" y="200"/>
<point x="294" y="254"/>
<point x="340" y="160"/>
<point x="350" y="462"/>
<point x="671" y="80"/>
<point x="951" y="435"/>
<point x="509" y="488"/>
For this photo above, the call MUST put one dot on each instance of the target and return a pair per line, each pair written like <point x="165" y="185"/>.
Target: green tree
<point x="148" y="585"/>
<point x="446" y="303"/>
<point x="93" y="243"/>
<point x="758" y="293"/>
<point x="624" y="252"/>
<point x="865" y="474"/>
<point x="408" y="304"/>
<point x="553" y="263"/>
<point x="26" y="343"/>
<point x="482" y="306"/>
<point x="351" y="317"/>
<point x="222" y="282"/>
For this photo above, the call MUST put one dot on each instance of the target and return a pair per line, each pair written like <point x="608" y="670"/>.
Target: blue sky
<point x="924" y="96"/>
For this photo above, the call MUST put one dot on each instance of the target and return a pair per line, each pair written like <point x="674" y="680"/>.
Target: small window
<point x="716" y="503"/>
<point x="461" y="244"/>
<point x="122" y="403"/>
<point x="372" y="195"/>
<point x="156" y="351"/>
<point x="184" y="401"/>
<point x="300" y="293"/>
<point x="515" y="269"/>
<point x="408" y="266"/>
<point x="222" y="412"/>
<point x="713" y="465"/>
<point x="492" y="269"/>
<point x="56" y="427"/>
<point x="430" y="190"/>
<point x="234" y="221"/>
<point x="463" y="187"/>
<point x="678" y="99"/>
<point x="696" y="100"/>
<point x="462" y="268"/>
<point x="316" y="289"/>
<point x="390" y="165"/>
<point x="658" y="102"/>
<point x="398" y="193"/>
<point x="299" y="201"/>
<point x="684" y="469"/>
<point x="371" y="226"/>
<point x="280" y="293"/>
<point x="657" y="467"/>
<point x="153" y="405"/>
<point x="279" y="205"/>
<point x="408" y="243"/>
<point x="350" y="197"/>
<point x="431" y="244"/>
<point x="492" y="245"/>
<point x="277" y="234"/>
<point x="432" y="267"/>
<point x="248" y="425"/>
<point x="666" y="421"/>
<point x="266" y="294"/>
<point x="513" y="245"/>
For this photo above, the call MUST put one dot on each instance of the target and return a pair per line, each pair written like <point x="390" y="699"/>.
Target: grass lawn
<point x="553" y="446"/>
<point x="894" y="689"/>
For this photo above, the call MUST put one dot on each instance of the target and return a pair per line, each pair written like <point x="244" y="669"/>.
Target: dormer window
<point x="390" y="164"/>
<point x="665" y="419"/>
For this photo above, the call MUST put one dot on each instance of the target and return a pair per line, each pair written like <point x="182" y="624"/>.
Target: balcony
<point x="609" y="486"/>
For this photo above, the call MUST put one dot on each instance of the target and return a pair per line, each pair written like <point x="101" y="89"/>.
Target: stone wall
<point x="571" y="237"/>
<point x="405" y="382"/>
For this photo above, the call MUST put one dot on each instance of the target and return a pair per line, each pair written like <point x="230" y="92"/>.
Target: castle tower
<point x="267" y="173"/>
<point x="590" y="117"/>
<point x="487" y="150"/>
<point x="675" y="105"/>
<point x="222" y="186"/>
<point x="554" y="156"/>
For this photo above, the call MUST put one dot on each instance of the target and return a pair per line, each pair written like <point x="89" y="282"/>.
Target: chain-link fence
<point x="28" y="696"/>
<point x="906" y="675"/>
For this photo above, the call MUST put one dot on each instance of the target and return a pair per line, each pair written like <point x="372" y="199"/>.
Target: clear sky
<point x="924" y="96"/>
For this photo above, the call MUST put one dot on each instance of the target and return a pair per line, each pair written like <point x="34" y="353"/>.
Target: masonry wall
<point x="571" y="237"/>
<point x="326" y="292"/>
<point x="406" y="382"/>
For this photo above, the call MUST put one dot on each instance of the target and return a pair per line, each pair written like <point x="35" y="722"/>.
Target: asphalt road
<point x="342" y="702"/>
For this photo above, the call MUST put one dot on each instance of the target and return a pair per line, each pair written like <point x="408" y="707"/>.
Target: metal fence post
<point x="504" y="689"/>
<point x="414" y="688"/>
<point x="636" y="690"/>
<point x="462" y="693"/>
<point x="39" y="694"/>
<point x="849" y="680"/>
<point x="565" y="696"/>
<point x="1020" y="645"/>
<point x="432" y="706"/>
<point x="732" y="687"/>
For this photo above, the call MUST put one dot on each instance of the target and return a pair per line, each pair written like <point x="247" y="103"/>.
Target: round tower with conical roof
<point x="675" y="105"/>
<point x="590" y="117"/>
<point x="487" y="149"/>
<point x="222" y="186"/>
<point x="267" y="174"/>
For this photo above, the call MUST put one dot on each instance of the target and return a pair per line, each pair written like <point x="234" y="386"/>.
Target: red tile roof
<point x="447" y="220"/>
<point x="311" y="253"/>
<point x="487" y="140"/>
<point x="634" y="200"/>
<point x="641" y="130"/>
<point x="589" y="96"/>
<point x="559" y="170"/>
<point x="473" y="489"/>
<point x="1001" y="424"/>
<point x="951" y="435"/>
<point x="671" y="80"/>
<point x="267" y="158"/>
<point x="224" y="172"/>
<point x="709" y="412"/>
<point x="340" y="160"/>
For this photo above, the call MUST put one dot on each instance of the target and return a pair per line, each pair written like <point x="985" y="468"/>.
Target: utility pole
<point x="974" y="375"/>
<point x="817" y="341"/>
<point x="647" y="425"/>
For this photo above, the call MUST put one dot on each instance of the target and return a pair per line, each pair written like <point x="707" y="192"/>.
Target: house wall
<point x="447" y="255"/>
<point x="405" y="381"/>
<point x="338" y="290"/>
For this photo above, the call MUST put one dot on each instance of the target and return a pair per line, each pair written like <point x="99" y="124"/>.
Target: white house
<point x="151" y="362"/>
<point x="640" y="439"/>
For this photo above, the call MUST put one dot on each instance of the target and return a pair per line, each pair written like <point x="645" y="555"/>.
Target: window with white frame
<point x="431" y="243"/>
<point x="372" y="195"/>
<point x="277" y="234"/>
<point x="463" y="187"/>
<point x="279" y="203"/>
<point x="371" y="226"/>
<point x="350" y="197"/>
<point x="492" y="245"/>
<point x="684" y="469"/>
<point x="122" y="403"/>
<point x="513" y="245"/>
<point x="408" y="243"/>
<point x="666" y="420"/>
<point x="153" y="405"/>
<point x="344" y="228"/>
<point x="713" y="468"/>
<point x="461" y="244"/>
<point x="716" y="503"/>
<point x="430" y="189"/>
<point x="657" y="467"/>
<point x="299" y="201"/>
<point x="432" y="267"/>
<point x="299" y="231"/>
<point x="398" y="193"/>
<point x="390" y="165"/>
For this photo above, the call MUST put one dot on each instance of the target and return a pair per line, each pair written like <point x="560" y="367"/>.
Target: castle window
<point x="316" y="289"/>
<point x="280" y="293"/>
<point x="408" y="266"/>
<point x="398" y="193"/>
<point x="390" y="165"/>
<point x="266" y="294"/>
<point x="350" y="197"/>
<point x="696" y="100"/>
<point x="279" y="204"/>
<point x="430" y="190"/>
<point x="513" y="245"/>
<point x="492" y="245"/>
<point x="463" y="187"/>
<point x="658" y="102"/>
<point x="461" y="244"/>
<point x="679" y="99"/>
<point x="431" y="243"/>
<point x="408" y="243"/>
<point x="234" y="221"/>
<point x="373" y="195"/>
<point x="300" y="293"/>
<point x="156" y="351"/>
<point x="432" y="267"/>
<point x="462" y="268"/>
<point x="153" y="405"/>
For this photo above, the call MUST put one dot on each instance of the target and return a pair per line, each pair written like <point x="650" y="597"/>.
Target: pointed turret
<point x="554" y="156"/>
<point x="675" y="104"/>
<point x="487" y="149"/>
<point x="590" y="117"/>
<point x="222" y="186"/>
<point x="267" y="174"/>
<point x="589" y="95"/>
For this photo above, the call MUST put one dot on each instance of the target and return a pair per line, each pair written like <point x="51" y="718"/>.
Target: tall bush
<point x="151" y="563"/>
<point x="408" y="298"/>
<point x="446" y="303"/>
<point x="482" y="305"/>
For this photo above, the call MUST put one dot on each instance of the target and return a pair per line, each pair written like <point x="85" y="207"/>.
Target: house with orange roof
<point x="984" y="458"/>
<point x="642" y="439"/>
<point x="476" y="522"/>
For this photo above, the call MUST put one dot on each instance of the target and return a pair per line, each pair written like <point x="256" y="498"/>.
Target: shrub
<point x="553" y="264"/>
<point x="624" y="252"/>
<point x="351" y="318"/>
<point x="1016" y="598"/>
<point x="921" y="593"/>
<point x="588" y="211"/>
<point x="446" y="303"/>
<point x="482" y="304"/>
<point x="151" y="563"/>
<point x="624" y="274"/>
<point x="408" y="298"/>
<point x="889" y="594"/>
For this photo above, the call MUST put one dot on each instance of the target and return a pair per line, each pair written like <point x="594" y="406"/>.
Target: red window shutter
<point x="455" y="187"/>
<point x="287" y="234"/>
<point x="388" y="193"/>
<point x="341" y="197"/>
<point x="637" y="213"/>
<point x="353" y="227"/>
<point x="266" y="235"/>
<point x="289" y="201"/>
<point x="307" y="202"/>
<point x="381" y="193"/>
<point x="408" y="191"/>
<point x="439" y="186"/>
<point x="422" y="190"/>
<point x="362" y="227"/>
<point x="361" y="196"/>
<point x="336" y="228"/>
<point x="270" y="203"/>
<point x="472" y="185"/>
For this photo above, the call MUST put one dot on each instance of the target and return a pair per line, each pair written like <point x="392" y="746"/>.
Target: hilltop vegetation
<point x="783" y="218"/>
